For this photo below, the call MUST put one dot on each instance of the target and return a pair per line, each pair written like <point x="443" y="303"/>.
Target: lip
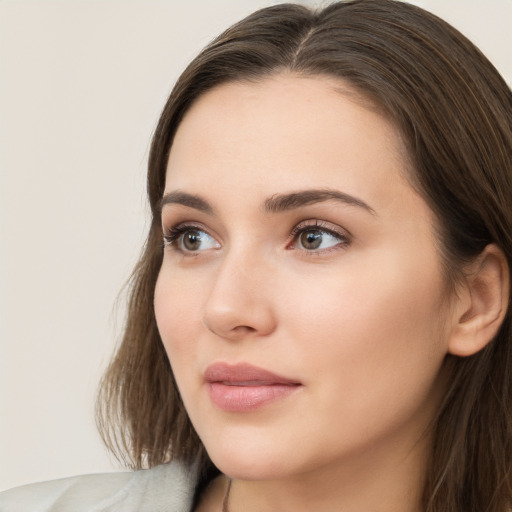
<point x="243" y="387"/>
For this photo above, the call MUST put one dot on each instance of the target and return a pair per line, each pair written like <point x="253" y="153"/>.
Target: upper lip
<point x="244" y="374"/>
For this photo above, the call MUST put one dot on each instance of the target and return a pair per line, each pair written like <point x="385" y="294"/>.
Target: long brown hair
<point x="454" y="112"/>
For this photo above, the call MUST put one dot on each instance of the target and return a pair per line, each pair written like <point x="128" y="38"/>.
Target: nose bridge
<point x="239" y="302"/>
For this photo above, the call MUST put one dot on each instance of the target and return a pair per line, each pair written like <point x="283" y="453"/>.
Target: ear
<point x="481" y="303"/>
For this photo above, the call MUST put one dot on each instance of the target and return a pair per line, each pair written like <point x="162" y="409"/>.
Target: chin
<point x="248" y="469"/>
<point x="249" y="461"/>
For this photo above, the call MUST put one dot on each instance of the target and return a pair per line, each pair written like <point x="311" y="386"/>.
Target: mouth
<point x="245" y="388"/>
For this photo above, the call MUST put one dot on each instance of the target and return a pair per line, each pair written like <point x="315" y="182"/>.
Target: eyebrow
<point x="185" y="199"/>
<point x="275" y="204"/>
<point x="284" y="202"/>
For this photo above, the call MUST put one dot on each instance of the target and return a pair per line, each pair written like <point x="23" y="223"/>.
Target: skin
<point x="362" y="322"/>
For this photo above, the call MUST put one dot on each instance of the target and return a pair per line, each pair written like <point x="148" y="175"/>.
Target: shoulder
<point x="168" y="488"/>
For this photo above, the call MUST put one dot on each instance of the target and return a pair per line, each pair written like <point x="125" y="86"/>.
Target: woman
<point x="320" y="319"/>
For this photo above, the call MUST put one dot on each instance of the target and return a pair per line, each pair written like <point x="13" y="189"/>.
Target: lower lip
<point x="235" y="398"/>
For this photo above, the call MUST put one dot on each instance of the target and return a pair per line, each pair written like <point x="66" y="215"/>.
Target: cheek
<point x="177" y="310"/>
<point x="372" y="345"/>
<point x="376" y="325"/>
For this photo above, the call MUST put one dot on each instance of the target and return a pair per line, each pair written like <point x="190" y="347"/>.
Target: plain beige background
<point x="82" y="83"/>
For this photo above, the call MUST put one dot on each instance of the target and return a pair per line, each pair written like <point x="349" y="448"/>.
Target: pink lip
<point x="244" y="388"/>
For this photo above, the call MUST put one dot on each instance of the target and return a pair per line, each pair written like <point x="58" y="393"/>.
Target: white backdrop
<point x="82" y="83"/>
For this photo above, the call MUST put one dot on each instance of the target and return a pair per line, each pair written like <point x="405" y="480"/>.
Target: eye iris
<point x="192" y="240"/>
<point x="311" y="239"/>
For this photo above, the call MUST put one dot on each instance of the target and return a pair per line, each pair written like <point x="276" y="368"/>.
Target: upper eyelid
<point x="322" y="225"/>
<point x="188" y="224"/>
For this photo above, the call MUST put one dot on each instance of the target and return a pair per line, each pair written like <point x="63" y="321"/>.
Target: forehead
<point x="285" y="132"/>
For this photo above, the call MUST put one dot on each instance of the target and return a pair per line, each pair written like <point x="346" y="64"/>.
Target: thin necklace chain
<point x="225" y="501"/>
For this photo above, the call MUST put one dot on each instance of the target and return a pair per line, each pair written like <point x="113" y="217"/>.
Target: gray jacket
<point x="166" y="488"/>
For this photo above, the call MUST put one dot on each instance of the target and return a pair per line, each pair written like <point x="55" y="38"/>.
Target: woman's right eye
<point x="190" y="239"/>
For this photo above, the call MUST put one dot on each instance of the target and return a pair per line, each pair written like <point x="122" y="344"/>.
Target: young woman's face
<point x="301" y="297"/>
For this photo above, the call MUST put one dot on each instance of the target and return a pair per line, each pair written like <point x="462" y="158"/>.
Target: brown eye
<point x="311" y="239"/>
<point x="317" y="239"/>
<point x="192" y="240"/>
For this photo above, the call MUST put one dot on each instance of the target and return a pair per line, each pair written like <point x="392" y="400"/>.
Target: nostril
<point x="245" y="329"/>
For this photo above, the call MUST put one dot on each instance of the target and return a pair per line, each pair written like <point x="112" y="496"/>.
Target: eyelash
<point x="342" y="236"/>
<point x="172" y="236"/>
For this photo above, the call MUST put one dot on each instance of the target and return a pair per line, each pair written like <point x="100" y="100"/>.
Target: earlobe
<point x="482" y="304"/>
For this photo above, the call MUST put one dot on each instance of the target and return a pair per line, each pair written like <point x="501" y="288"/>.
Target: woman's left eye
<point x="317" y="238"/>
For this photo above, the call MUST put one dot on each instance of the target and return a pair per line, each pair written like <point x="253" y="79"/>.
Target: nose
<point x="239" y="304"/>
